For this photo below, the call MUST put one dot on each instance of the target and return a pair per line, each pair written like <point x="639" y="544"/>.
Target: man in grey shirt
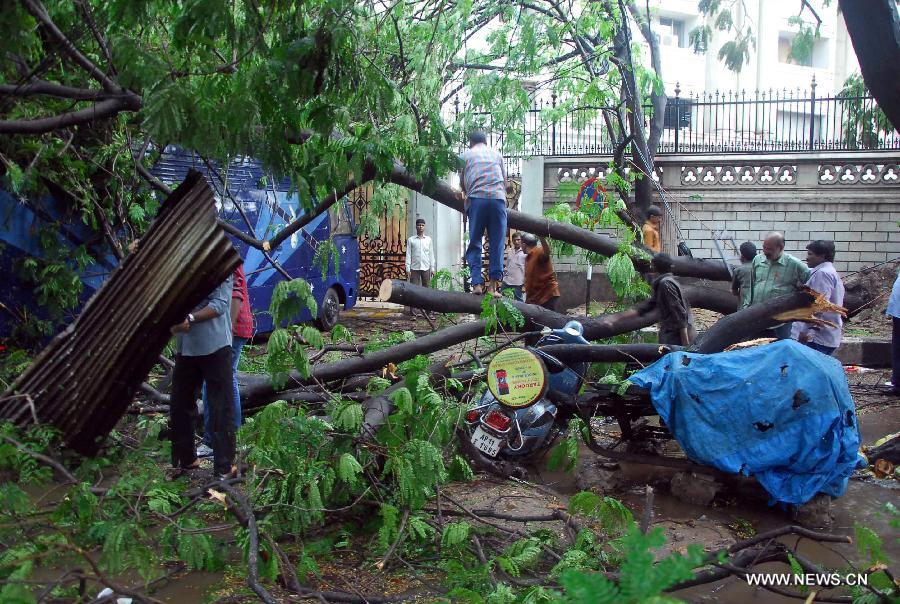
<point x="203" y="353"/>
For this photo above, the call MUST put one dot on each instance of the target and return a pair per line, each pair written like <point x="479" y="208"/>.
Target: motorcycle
<point x="529" y="399"/>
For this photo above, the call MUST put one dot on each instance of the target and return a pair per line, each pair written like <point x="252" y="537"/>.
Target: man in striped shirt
<point x="483" y="183"/>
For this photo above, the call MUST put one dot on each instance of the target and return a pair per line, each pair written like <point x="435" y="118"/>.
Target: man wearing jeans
<point x="241" y="332"/>
<point x="483" y="184"/>
<point x="203" y="353"/>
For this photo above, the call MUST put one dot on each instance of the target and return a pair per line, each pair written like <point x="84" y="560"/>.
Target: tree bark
<point x="750" y="322"/>
<point x="609" y="353"/>
<point x="604" y="245"/>
<point x="874" y="29"/>
<point x="449" y="196"/>
<point x="84" y="380"/>
<point x="374" y="361"/>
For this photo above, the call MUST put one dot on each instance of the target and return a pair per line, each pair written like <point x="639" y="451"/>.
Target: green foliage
<point x="390" y="523"/>
<point x="500" y="313"/>
<point x="12" y="363"/>
<point x="519" y="556"/>
<point x="340" y="333"/>
<point x="459" y="470"/>
<point x="564" y="455"/>
<point x="288" y="300"/>
<point x="613" y="516"/>
<point x="416" y="469"/>
<point x="327" y="256"/>
<point x="388" y="340"/>
<point x="864" y="123"/>
<point x="869" y="544"/>
<point x="641" y="579"/>
<point x="455" y="534"/>
<point x="624" y="278"/>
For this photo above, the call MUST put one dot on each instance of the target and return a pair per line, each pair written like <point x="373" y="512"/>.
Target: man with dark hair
<point x="824" y="279"/>
<point x="676" y="321"/>
<point x="514" y="277"/>
<point x="541" y="286"/>
<point x="774" y="273"/>
<point x="203" y="353"/>
<point x="483" y="184"/>
<point x="650" y="230"/>
<point x="420" y="262"/>
<point x="740" y="282"/>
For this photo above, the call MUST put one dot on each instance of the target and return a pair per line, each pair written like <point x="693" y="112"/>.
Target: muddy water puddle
<point x="744" y="510"/>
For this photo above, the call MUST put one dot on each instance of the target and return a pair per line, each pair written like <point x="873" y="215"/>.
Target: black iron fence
<point x="716" y="122"/>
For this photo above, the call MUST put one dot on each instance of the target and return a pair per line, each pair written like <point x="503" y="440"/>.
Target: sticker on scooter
<point x="517" y="377"/>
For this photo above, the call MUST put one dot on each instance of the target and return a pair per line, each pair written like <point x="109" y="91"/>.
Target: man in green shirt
<point x="774" y="274"/>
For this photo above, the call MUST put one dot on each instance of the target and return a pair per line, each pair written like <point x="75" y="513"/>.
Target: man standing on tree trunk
<point x="541" y="286"/>
<point x="483" y="184"/>
<point x="676" y="321"/>
<point x="203" y="353"/>
<point x="420" y="262"/>
<point x="774" y="273"/>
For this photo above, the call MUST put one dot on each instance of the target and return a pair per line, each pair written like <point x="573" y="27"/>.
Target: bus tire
<point x="330" y="311"/>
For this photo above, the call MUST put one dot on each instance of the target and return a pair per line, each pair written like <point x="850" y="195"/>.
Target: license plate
<point x="485" y="442"/>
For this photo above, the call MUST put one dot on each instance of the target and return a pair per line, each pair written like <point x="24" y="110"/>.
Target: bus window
<point x="339" y="219"/>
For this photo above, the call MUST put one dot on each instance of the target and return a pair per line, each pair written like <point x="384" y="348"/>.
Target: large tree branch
<point x="874" y="29"/>
<point x="98" y="111"/>
<point x="444" y="194"/>
<point x="38" y="11"/>
<point x="40" y="87"/>
<point x="657" y="99"/>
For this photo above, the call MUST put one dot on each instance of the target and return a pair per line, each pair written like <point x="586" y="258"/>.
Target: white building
<point x="831" y="61"/>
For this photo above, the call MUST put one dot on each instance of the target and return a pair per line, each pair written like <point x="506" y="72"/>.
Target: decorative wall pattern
<point x="863" y="174"/>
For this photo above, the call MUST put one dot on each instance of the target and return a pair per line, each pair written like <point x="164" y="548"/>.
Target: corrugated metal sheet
<point x="84" y="380"/>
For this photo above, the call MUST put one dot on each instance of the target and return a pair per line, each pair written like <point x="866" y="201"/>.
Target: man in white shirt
<point x="824" y="279"/>
<point x="420" y="262"/>
<point x="514" y="277"/>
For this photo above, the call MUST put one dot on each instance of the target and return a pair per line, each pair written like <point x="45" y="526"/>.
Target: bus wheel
<point x="330" y="311"/>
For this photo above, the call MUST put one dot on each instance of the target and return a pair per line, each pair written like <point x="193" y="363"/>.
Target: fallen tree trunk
<point x="750" y="322"/>
<point x="262" y="391"/>
<point x="595" y="328"/>
<point x="449" y="196"/>
<point x="608" y="353"/>
<point x="85" y="379"/>
<point x="600" y="243"/>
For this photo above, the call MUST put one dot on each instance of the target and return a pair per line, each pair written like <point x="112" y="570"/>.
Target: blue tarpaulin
<point x="782" y="413"/>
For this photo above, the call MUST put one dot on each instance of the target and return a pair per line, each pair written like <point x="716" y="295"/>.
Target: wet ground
<point x="735" y="514"/>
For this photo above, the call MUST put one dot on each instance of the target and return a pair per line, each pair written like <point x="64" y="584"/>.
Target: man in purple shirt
<point x="825" y="280"/>
<point x="483" y="184"/>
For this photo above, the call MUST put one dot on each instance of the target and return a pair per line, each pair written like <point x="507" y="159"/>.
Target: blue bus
<point x="267" y="206"/>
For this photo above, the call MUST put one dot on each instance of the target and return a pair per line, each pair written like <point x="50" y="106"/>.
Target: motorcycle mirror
<point x="574" y="328"/>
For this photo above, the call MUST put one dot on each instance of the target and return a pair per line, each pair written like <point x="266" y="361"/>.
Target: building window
<point x="672" y="32"/>
<point x="816" y="58"/>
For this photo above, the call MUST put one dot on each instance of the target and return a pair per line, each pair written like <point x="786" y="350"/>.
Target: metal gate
<point x="382" y="257"/>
